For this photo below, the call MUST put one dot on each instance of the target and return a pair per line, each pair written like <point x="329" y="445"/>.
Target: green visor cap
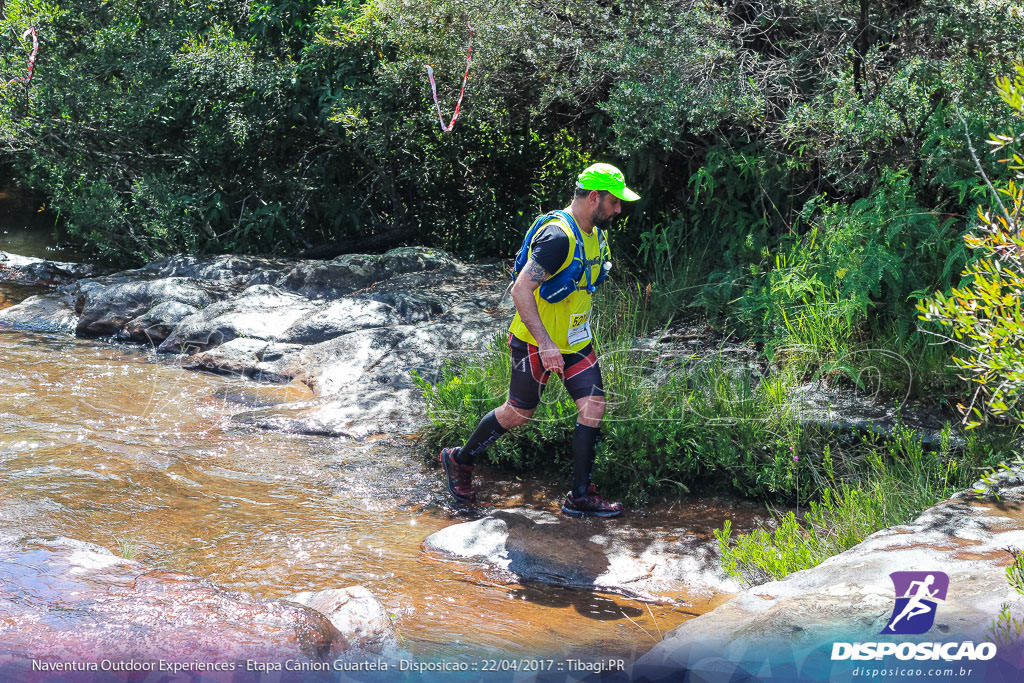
<point x="606" y="177"/>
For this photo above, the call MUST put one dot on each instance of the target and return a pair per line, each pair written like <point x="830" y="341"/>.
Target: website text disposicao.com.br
<point x="897" y="672"/>
<point x="952" y="659"/>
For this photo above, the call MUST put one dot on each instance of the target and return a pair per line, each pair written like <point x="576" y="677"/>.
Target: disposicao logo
<point x="917" y="598"/>
<point x="917" y="594"/>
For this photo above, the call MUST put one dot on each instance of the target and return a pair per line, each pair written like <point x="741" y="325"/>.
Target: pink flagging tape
<point x="31" y="58"/>
<point x="447" y="127"/>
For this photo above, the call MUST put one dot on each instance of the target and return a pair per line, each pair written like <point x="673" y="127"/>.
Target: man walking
<point x="551" y="333"/>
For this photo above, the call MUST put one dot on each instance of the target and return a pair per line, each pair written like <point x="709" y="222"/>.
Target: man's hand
<point x="551" y="357"/>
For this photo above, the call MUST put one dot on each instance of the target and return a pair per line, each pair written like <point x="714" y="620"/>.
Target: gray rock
<point x="31" y="270"/>
<point x="259" y="360"/>
<point x="51" y="312"/>
<point x="530" y="545"/>
<point x="359" y="616"/>
<point x="310" y="278"/>
<point x="107" y="305"/>
<point x="261" y="312"/>
<point x="850" y="597"/>
<point x="354" y="415"/>
<point x="341" y="317"/>
<point x="386" y="355"/>
<point x="156" y="324"/>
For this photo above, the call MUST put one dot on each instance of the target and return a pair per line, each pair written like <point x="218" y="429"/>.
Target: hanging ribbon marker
<point x="447" y="127"/>
<point x="31" y="58"/>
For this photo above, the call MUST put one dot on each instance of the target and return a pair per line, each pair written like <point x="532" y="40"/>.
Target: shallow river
<point x="114" y="445"/>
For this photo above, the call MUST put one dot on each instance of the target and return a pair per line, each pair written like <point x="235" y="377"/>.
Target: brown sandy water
<point x="114" y="445"/>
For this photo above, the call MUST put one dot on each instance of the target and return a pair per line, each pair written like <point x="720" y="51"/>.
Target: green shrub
<point x="984" y="315"/>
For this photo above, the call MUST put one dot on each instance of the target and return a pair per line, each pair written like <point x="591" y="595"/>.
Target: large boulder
<point x="261" y="312"/>
<point x="64" y="600"/>
<point x="156" y="324"/>
<point x="340" y="318"/>
<point x="525" y="545"/>
<point x="259" y="360"/>
<point x="850" y="597"/>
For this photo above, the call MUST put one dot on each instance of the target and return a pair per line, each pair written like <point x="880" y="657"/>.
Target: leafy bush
<point x="984" y="315"/>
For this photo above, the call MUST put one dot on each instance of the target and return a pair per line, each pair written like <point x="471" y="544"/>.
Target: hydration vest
<point x="565" y="281"/>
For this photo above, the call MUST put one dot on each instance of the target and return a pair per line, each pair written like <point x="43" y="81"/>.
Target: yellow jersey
<point x="567" y="321"/>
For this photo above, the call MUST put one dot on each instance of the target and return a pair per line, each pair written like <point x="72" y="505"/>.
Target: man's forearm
<point x="528" y="313"/>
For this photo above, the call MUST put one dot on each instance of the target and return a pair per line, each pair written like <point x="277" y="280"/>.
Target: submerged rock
<point x="528" y="545"/>
<point x="64" y="600"/>
<point x="850" y="597"/>
<point x="356" y="415"/>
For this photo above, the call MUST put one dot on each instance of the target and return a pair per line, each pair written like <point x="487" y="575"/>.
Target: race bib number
<point x="579" y="328"/>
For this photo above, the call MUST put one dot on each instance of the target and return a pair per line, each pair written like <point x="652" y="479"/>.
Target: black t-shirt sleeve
<point x="550" y="248"/>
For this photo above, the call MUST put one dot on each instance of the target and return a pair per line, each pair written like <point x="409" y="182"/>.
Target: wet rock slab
<point x="368" y="411"/>
<point x="525" y="545"/>
<point x="64" y="600"/>
<point x="850" y="597"/>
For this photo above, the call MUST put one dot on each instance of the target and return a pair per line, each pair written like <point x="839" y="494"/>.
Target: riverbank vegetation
<point x="808" y="175"/>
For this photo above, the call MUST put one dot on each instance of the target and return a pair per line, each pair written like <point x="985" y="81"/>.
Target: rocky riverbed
<point x="337" y="341"/>
<point x="350" y="329"/>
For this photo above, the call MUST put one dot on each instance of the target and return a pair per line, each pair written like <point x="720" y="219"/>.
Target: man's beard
<point x="604" y="222"/>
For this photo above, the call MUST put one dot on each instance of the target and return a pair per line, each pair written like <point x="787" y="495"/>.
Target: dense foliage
<point x="984" y="316"/>
<point x="804" y="166"/>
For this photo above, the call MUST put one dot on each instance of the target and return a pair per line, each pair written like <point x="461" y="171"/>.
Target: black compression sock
<point x="486" y="433"/>
<point x="583" y="440"/>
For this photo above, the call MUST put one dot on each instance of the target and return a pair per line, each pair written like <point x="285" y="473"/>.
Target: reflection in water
<point x="28" y="229"/>
<point x="115" y="446"/>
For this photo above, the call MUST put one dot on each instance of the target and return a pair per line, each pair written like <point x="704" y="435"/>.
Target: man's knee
<point x="511" y="417"/>
<point x="591" y="408"/>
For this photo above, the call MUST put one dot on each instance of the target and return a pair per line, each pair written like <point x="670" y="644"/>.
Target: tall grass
<point x="896" y="480"/>
<point x="697" y="423"/>
<point x="668" y="426"/>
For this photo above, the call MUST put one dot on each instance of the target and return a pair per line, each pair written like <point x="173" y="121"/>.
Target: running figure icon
<point x="917" y="594"/>
<point x="915" y="606"/>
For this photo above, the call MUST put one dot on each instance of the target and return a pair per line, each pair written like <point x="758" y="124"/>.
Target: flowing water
<point x="114" y="445"/>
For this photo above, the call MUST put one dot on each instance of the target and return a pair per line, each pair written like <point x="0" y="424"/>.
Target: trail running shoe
<point x="458" y="477"/>
<point x="590" y="505"/>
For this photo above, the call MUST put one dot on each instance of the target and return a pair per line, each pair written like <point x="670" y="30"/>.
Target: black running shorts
<point x="582" y="376"/>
